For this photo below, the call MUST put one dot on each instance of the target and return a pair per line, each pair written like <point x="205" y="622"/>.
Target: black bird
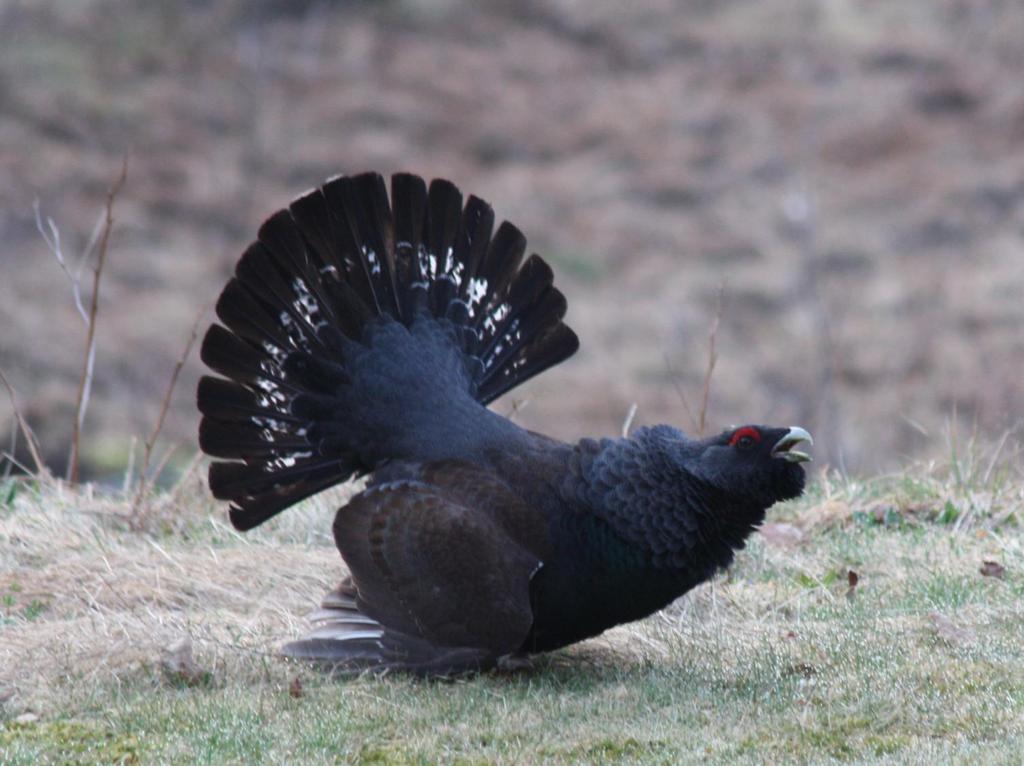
<point x="365" y="337"/>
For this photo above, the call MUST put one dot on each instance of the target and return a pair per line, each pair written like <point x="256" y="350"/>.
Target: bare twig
<point x="147" y="454"/>
<point x="629" y="420"/>
<point x="51" y="236"/>
<point x="995" y="457"/>
<point x="161" y="464"/>
<point x="129" y="470"/>
<point x="13" y="461"/>
<point x="30" y="437"/>
<point x="712" y="360"/>
<point x="85" y="379"/>
<point x="179" y="487"/>
<point x="518" y="405"/>
<point x="11" y="450"/>
<point x="673" y="376"/>
<point x="699" y="422"/>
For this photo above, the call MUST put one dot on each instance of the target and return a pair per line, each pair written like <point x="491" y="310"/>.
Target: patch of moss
<point x="886" y="744"/>
<point x="616" y="750"/>
<point x="394" y="755"/>
<point x="69" y="742"/>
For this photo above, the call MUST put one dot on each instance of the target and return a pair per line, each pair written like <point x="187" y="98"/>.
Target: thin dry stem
<point x="712" y="360"/>
<point x="162" y="462"/>
<point x="699" y="422"/>
<point x="518" y="405"/>
<point x="85" y="379"/>
<point x="628" y="422"/>
<point x="673" y="376"/>
<point x="174" y="496"/>
<point x="996" y="453"/>
<point x="147" y="455"/>
<point x="51" y="236"/>
<point x="30" y="437"/>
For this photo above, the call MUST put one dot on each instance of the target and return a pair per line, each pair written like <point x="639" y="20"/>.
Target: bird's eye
<point x="745" y="438"/>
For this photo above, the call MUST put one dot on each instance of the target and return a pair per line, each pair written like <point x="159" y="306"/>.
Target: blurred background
<point x="847" y="174"/>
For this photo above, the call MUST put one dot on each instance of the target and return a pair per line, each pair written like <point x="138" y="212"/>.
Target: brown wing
<point x="442" y="557"/>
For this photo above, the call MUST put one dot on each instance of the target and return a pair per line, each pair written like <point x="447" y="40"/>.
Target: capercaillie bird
<point x="364" y="336"/>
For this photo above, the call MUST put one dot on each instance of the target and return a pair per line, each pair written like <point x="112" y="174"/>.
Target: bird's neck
<point x="642" y="489"/>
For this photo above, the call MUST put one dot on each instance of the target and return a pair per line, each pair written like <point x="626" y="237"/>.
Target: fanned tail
<point x="312" y="366"/>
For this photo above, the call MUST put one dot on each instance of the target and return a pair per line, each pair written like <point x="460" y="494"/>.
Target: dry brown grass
<point x="91" y="601"/>
<point x="776" y="661"/>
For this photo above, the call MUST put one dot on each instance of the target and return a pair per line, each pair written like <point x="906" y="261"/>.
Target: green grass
<point x="772" y="663"/>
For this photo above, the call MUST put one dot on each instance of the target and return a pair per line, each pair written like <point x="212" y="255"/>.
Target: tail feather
<point x="232" y="402"/>
<point x="240" y="360"/>
<point x="333" y="249"/>
<point x="346" y="641"/>
<point x="504" y="314"/>
<point x="440" y="268"/>
<point x="409" y="199"/>
<point x="290" y="303"/>
<point x="298" y="275"/>
<point x="232" y="440"/>
<point x="471" y="249"/>
<point x="305" y="310"/>
<point x="257" y="495"/>
<point x="361" y="207"/>
<point x="501" y="263"/>
<point x="546" y="310"/>
<point x="314" y="374"/>
<point x="547" y="351"/>
<point x="251" y="319"/>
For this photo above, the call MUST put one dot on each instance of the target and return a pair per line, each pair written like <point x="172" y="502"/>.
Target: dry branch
<point x="85" y="379"/>
<point x="712" y="360"/>
<point x="30" y="437"/>
<point x="518" y="405"/>
<point x="699" y="422"/>
<point x="628" y="422"/>
<point x="51" y="236"/>
<point x="673" y="376"/>
<point x="140" y="493"/>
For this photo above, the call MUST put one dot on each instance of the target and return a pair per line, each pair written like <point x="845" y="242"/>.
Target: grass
<point x="779" y="660"/>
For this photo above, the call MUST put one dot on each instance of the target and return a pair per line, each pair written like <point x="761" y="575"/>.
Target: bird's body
<point x="365" y="338"/>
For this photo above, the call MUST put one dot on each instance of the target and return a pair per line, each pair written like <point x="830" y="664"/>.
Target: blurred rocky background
<point x="848" y="173"/>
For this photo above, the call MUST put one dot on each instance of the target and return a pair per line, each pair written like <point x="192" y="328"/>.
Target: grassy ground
<point x="781" y="660"/>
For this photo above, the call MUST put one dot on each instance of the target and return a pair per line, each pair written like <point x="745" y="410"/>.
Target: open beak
<point x="784" y="447"/>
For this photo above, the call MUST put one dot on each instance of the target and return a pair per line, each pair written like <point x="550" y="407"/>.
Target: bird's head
<point x="754" y="466"/>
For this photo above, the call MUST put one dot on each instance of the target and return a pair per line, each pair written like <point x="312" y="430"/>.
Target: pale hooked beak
<point x="784" y="447"/>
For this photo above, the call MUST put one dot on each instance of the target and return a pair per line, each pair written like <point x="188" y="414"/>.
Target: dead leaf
<point x="179" y="667"/>
<point x="949" y="632"/>
<point x="26" y="718"/>
<point x="295" y="688"/>
<point x="781" y="534"/>
<point x="802" y="669"/>
<point x="993" y="569"/>
<point x="852" y="578"/>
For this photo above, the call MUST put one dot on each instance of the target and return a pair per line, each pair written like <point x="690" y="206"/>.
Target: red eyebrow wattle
<point x="750" y="431"/>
